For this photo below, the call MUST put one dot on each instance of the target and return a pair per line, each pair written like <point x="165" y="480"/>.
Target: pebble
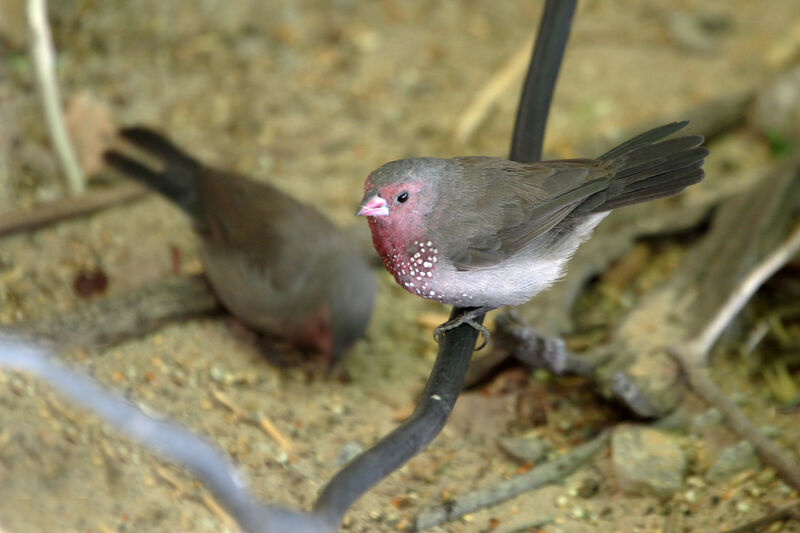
<point x="526" y="448"/>
<point x="647" y="461"/>
<point x="732" y="461"/>
<point x="347" y="452"/>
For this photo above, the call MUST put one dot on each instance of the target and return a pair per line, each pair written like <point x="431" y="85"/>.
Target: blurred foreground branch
<point x="163" y="436"/>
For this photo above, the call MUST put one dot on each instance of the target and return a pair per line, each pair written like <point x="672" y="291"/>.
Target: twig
<point x="183" y="492"/>
<point x="490" y="92"/>
<point x="514" y="338"/>
<point x="43" y="52"/>
<point x="699" y="347"/>
<point x="694" y="353"/>
<point x="479" y="499"/>
<point x="70" y="207"/>
<point x="269" y="428"/>
<point x="773" y="455"/>
<point x="782" y="513"/>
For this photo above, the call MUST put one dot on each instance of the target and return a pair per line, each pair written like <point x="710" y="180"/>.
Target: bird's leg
<point x="469" y="316"/>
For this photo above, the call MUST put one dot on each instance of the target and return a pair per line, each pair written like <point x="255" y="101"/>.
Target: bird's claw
<point x="465" y="318"/>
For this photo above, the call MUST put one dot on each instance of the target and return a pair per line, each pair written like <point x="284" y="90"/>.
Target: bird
<point x="480" y="233"/>
<point x="278" y="265"/>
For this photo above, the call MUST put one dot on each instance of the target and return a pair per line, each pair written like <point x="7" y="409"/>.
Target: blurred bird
<point x="481" y="232"/>
<point x="278" y="265"/>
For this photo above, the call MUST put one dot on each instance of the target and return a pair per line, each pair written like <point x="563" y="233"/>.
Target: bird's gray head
<point x="403" y="190"/>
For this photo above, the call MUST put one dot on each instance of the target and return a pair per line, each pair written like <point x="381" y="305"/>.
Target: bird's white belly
<point x="515" y="280"/>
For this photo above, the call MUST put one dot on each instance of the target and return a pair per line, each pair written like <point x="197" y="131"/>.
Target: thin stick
<point x="693" y="354"/>
<point x="43" y="52"/>
<point x="66" y="208"/>
<point x="269" y="428"/>
<point x="543" y="474"/>
<point x="701" y="345"/>
<point x="770" y="452"/>
<point x="490" y="92"/>
<point x="782" y="513"/>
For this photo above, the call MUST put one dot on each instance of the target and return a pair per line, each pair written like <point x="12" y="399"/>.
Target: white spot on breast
<point x="432" y="293"/>
<point x="427" y="264"/>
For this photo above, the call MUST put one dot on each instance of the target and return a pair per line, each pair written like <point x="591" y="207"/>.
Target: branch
<point x="43" y="53"/>
<point x="412" y="436"/>
<point x="66" y="208"/>
<point x="447" y="375"/>
<point x="693" y="353"/>
<point x="118" y="317"/>
<point x="700" y="346"/>
<point x="537" y="93"/>
<point x="505" y="490"/>
<point x="167" y="438"/>
<point x="789" y="510"/>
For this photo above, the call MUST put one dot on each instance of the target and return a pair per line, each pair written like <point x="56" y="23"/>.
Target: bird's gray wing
<point x="511" y="204"/>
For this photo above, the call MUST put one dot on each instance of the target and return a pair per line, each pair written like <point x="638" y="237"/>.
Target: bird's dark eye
<point x="402" y="197"/>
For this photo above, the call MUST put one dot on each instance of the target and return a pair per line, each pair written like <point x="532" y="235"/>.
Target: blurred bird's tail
<point x="161" y="165"/>
<point x="646" y="168"/>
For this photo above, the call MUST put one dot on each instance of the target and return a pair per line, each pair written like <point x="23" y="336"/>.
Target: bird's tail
<point x="646" y="168"/>
<point x="160" y="165"/>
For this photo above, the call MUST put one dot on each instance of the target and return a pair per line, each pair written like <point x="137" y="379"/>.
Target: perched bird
<point x="278" y="265"/>
<point x="482" y="232"/>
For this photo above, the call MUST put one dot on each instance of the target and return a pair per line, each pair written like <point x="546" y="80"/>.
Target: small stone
<point x="733" y="460"/>
<point x="346" y="454"/>
<point x="526" y="448"/>
<point x="647" y="461"/>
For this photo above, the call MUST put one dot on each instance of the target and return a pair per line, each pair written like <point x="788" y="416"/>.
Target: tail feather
<point x="681" y="180"/>
<point x="173" y="175"/>
<point x="646" y="168"/>
<point x="644" y="139"/>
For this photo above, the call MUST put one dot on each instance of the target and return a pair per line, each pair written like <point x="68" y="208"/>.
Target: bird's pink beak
<point x="374" y="206"/>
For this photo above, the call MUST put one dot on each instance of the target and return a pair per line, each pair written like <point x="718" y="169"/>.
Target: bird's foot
<point x="469" y="317"/>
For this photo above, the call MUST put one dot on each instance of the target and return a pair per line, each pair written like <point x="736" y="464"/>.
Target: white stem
<point x="43" y="53"/>
<point x="702" y="344"/>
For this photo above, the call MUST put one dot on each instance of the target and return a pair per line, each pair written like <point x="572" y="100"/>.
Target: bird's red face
<point x="397" y="213"/>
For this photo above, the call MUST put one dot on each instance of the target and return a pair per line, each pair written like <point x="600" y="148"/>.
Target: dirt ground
<point x="311" y="96"/>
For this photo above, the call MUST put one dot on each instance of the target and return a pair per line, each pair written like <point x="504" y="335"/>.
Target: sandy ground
<point x="311" y="96"/>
